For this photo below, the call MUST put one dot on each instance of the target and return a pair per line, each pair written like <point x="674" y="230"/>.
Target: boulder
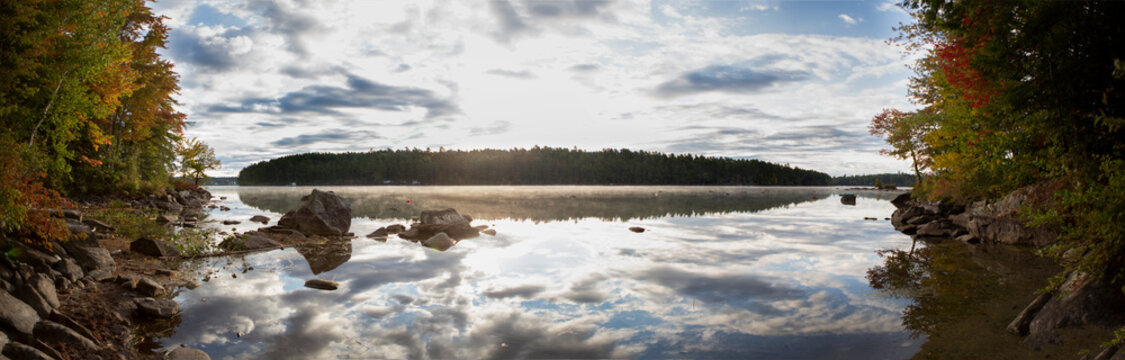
<point x="489" y="232"/>
<point x="249" y="242"/>
<point x="395" y="229"/>
<point x="35" y="258"/>
<point x="637" y="229"/>
<point x="155" y="248"/>
<point x="15" y="314"/>
<point x="70" y="269"/>
<point x="1021" y="324"/>
<point x="321" y="213"/>
<point x="440" y="242"/>
<point x="322" y="284"/>
<point x="847" y="199"/>
<point x="93" y="258"/>
<point x="163" y="308"/>
<point x="260" y="219"/>
<point x="149" y="287"/>
<point x="54" y="333"/>
<point x="935" y="229"/>
<point x="326" y="256"/>
<point x="45" y="288"/>
<point x="164" y="219"/>
<point x="443" y="217"/>
<point x="1084" y="302"/>
<point x="380" y="232"/>
<point x="17" y="350"/>
<point x="231" y="222"/>
<point x="183" y="353"/>
<point x="30" y="296"/>
<point x="901" y="201"/>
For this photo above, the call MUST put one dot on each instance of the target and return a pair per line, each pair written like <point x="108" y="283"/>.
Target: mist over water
<point x="721" y="272"/>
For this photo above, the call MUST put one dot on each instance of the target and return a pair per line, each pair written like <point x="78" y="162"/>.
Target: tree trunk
<point x="47" y="109"/>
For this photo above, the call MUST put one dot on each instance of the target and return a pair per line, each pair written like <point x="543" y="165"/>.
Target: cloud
<point x="293" y="24"/>
<point x="495" y="128"/>
<point x="523" y="291"/>
<point x="522" y="74"/>
<point x="359" y="93"/>
<point x="728" y="79"/>
<point x="720" y="288"/>
<point x="213" y="48"/>
<point x="585" y="68"/>
<point x="306" y="139"/>
<point x="850" y="20"/>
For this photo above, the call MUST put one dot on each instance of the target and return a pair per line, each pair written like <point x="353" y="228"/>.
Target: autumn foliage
<point x="87" y="106"/>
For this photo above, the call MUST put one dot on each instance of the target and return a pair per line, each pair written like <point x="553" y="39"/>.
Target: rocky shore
<point x="1077" y="303"/>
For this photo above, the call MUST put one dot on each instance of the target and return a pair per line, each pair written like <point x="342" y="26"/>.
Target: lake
<point x="721" y="272"/>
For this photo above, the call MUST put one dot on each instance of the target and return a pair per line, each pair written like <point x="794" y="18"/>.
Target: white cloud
<point x="850" y="20"/>
<point x="514" y="80"/>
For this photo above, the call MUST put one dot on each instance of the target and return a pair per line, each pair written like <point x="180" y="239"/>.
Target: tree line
<point x="1012" y="94"/>
<point x="87" y="108"/>
<point x="898" y="179"/>
<point x="535" y="166"/>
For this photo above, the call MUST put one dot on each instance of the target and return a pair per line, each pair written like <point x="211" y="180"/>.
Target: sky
<point x="790" y="82"/>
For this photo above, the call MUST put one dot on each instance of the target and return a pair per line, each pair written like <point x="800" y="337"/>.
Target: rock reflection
<point x="545" y="203"/>
<point x="963" y="296"/>
<point x="326" y="256"/>
<point x="783" y="282"/>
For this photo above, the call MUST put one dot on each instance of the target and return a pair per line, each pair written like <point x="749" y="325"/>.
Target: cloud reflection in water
<point x="783" y="282"/>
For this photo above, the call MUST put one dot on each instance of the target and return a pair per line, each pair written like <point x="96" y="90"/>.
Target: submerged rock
<point x="152" y="247"/>
<point x="260" y="219"/>
<point x="182" y="353"/>
<point x="637" y="229"/>
<point x="321" y="213"/>
<point x="322" y="284"/>
<point x="249" y="242"/>
<point x="440" y="242"/>
<point x="163" y="308"/>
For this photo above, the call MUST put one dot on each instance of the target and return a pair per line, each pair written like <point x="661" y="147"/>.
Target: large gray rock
<point x="31" y="297"/>
<point x="1084" y="302"/>
<point x="321" y="213"/>
<point x="38" y="259"/>
<point x="901" y="201"/>
<point x="46" y="289"/>
<point x="152" y="247"/>
<point x="17" y="350"/>
<point x="182" y="353"/>
<point x="15" y="314"/>
<point x="53" y="333"/>
<point x="163" y="308"/>
<point x="443" y="217"/>
<point x="148" y="287"/>
<point x="93" y="258"/>
<point x="70" y="269"/>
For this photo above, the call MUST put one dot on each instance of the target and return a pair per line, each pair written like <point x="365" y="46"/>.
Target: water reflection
<point x="326" y="256"/>
<point x="786" y="281"/>
<point x="544" y="203"/>
<point x="963" y="297"/>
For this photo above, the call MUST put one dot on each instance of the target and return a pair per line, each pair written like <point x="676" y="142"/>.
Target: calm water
<point x="722" y="272"/>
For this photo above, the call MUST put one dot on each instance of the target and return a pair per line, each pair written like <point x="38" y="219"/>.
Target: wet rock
<point x="395" y="229"/>
<point x="934" y="229"/>
<point x="637" y="229"/>
<point x="870" y="218"/>
<point x="224" y="208"/>
<point x="1020" y="325"/>
<point x="17" y="350"/>
<point x="281" y="230"/>
<point x="163" y="308"/>
<point x="98" y="225"/>
<point x="968" y="239"/>
<point x="901" y="216"/>
<point x="847" y="199"/>
<point x="51" y="332"/>
<point x="489" y="232"/>
<point x="155" y="248"/>
<point x="93" y="258"/>
<point x="183" y="353"/>
<point x="440" y="242"/>
<point x="231" y="222"/>
<point x="149" y="287"/>
<point x="1085" y="302"/>
<point x="260" y="219"/>
<point x="380" y="232"/>
<point x="322" y="284"/>
<point x="321" y="213"/>
<point x="15" y="314"/>
<point x="249" y="242"/>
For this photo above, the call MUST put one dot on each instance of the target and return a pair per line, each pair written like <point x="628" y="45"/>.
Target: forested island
<point x="535" y="166"/>
<point x="900" y="180"/>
